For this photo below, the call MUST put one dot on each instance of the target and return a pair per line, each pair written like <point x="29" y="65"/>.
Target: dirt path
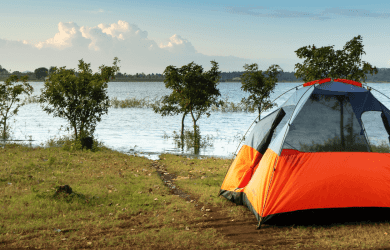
<point x="241" y="231"/>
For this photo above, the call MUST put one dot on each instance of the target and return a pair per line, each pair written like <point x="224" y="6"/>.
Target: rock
<point x="202" y="209"/>
<point x="208" y="210"/>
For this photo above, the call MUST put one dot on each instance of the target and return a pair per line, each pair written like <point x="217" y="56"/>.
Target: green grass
<point x="120" y="202"/>
<point x="191" y="171"/>
<point x="118" y="196"/>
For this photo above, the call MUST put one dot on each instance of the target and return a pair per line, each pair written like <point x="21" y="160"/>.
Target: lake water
<point x="141" y="131"/>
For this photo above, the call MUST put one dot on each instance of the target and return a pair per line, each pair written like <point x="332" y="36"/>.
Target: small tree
<point x="82" y="99"/>
<point x="325" y="62"/>
<point x="10" y="96"/>
<point x="41" y="72"/>
<point x="259" y="86"/>
<point x="194" y="92"/>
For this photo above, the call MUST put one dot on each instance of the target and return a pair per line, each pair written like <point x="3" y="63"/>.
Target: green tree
<point x="51" y="70"/>
<point x="41" y="72"/>
<point x="259" y="86"/>
<point x="3" y="71"/>
<point x="10" y="96"/>
<point x="324" y="62"/>
<point x="82" y="99"/>
<point x="193" y="92"/>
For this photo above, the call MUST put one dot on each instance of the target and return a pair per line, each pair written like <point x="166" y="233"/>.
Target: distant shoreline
<point x="160" y="80"/>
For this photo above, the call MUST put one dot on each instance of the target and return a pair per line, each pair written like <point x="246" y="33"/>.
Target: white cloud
<point x="69" y="35"/>
<point x="177" y="44"/>
<point x="100" y="44"/>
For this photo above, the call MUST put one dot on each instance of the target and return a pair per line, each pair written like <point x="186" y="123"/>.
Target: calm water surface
<point x="140" y="130"/>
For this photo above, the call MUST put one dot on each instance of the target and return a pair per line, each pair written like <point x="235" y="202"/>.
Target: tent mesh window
<point x="326" y="124"/>
<point x="376" y="131"/>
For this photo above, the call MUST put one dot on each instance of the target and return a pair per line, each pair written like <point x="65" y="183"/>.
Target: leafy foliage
<point x="51" y="70"/>
<point x="325" y="62"/>
<point x="82" y="99"/>
<point x="259" y="86"/>
<point x="10" y="96"/>
<point x="41" y="72"/>
<point x="3" y="71"/>
<point x="193" y="91"/>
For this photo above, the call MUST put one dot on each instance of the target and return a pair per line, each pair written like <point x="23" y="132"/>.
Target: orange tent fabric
<point x="289" y="174"/>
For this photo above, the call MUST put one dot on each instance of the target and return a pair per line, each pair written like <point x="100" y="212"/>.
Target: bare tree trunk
<point x="259" y="108"/>
<point x="196" y="136"/>
<point x="75" y="132"/>
<point x="182" y="130"/>
<point x="5" y="129"/>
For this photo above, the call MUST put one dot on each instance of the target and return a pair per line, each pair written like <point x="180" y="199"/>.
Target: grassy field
<point x="120" y="202"/>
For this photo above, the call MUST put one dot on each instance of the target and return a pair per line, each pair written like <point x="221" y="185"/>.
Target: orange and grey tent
<point x="314" y="153"/>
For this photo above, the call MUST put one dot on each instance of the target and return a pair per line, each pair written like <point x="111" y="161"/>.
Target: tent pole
<point x="235" y="153"/>
<point x="259" y="224"/>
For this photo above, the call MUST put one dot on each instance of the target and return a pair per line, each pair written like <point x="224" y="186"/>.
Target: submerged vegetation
<point x="191" y="142"/>
<point x="134" y="102"/>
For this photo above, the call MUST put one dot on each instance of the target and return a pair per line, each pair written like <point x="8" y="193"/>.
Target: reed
<point x="30" y="99"/>
<point x="227" y="106"/>
<point x="134" y="102"/>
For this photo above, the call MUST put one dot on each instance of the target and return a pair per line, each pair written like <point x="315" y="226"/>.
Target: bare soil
<point x="241" y="231"/>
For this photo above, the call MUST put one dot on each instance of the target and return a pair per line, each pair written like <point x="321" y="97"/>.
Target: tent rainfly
<point x="313" y="156"/>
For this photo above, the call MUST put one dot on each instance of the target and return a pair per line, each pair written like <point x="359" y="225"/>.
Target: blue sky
<point x="147" y="36"/>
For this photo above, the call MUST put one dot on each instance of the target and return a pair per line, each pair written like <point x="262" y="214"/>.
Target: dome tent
<point x="314" y="155"/>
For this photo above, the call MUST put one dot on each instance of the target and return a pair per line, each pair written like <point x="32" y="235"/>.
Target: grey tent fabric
<point x="321" y="118"/>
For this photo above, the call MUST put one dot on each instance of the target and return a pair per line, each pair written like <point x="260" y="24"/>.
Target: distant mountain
<point x="27" y="71"/>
